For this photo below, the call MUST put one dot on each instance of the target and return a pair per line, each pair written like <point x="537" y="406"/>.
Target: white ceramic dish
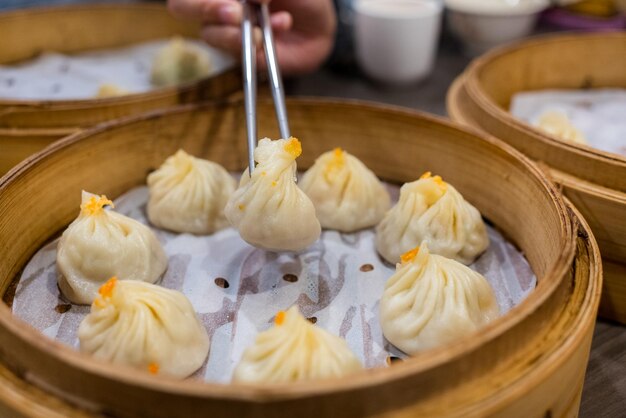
<point x="484" y="24"/>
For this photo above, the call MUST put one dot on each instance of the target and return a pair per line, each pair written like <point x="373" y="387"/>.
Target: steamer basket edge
<point x="603" y="207"/>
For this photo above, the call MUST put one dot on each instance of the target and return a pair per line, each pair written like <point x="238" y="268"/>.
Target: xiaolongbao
<point x="432" y="210"/>
<point x="269" y="209"/>
<point x="295" y="349"/>
<point x="110" y="90"/>
<point x="188" y="194"/>
<point x="145" y="326"/>
<point x="346" y="194"/>
<point x="178" y="62"/>
<point x="100" y="244"/>
<point x="432" y="300"/>
<point x="559" y="125"/>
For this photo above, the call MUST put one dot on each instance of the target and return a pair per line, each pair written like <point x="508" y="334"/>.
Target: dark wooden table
<point x="604" y="393"/>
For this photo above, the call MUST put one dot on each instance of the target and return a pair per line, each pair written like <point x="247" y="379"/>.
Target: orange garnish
<point x="94" y="205"/>
<point x="294" y="147"/>
<point x="336" y="163"/>
<point x="280" y="318"/>
<point x="409" y="255"/>
<point x="106" y="290"/>
<point x="241" y="207"/>
<point x="436" y="179"/>
<point x="153" y="368"/>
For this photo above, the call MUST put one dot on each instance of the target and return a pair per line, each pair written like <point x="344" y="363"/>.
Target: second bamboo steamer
<point x="594" y="180"/>
<point x="26" y="126"/>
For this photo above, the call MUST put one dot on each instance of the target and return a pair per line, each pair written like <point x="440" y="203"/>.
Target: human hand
<point x="303" y="29"/>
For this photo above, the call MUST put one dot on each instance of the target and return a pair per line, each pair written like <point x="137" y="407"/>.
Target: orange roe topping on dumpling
<point x="336" y="163"/>
<point x="280" y="318"/>
<point x="436" y="179"/>
<point x="409" y="255"/>
<point x="94" y="206"/>
<point x="153" y="368"/>
<point x="106" y="290"/>
<point x="294" y="147"/>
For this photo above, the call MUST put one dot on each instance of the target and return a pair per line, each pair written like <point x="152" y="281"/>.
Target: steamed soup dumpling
<point x="100" y="244"/>
<point x="432" y="300"/>
<point x="188" y="194"/>
<point x="180" y="61"/>
<point x="431" y="210"/>
<point x="558" y="124"/>
<point x="269" y="209"/>
<point x="110" y="90"/>
<point x="295" y="349"/>
<point x="144" y="326"/>
<point x="346" y="194"/>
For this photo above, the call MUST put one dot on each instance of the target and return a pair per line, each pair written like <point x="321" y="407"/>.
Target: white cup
<point x="396" y="40"/>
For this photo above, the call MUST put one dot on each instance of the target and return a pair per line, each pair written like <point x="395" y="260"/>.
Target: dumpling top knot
<point x="276" y="156"/>
<point x="293" y="147"/>
<point x="183" y="164"/>
<point x="336" y="163"/>
<point x="94" y="205"/>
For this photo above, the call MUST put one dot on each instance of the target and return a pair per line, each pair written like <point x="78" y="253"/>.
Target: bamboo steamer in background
<point x="530" y="362"/>
<point x="594" y="180"/>
<point x="28" y="125"/>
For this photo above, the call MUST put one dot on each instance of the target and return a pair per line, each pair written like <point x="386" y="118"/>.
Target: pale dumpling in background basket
<point x="294" y="349"/>
<point x="558" y="124"/>
<point x="144" y="326"/>
<point x="179" y="61"/>
<point x="188" y="194"/>
<point x="100" y="244"/>
<point x="347" y="195"/>
<point x="432" y="300"/>
<point x="269" y="209"/>
<point x="431" y="210"/>
<point x="110" y="90"/>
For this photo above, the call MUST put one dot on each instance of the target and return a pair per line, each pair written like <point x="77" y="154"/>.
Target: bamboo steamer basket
<point x="529" y="363"/>
<point x="27" y="126"/>
<point x="594" y="180"/>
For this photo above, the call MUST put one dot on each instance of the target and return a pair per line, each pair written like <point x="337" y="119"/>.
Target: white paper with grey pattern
<point x="54" y="76"/>
<point x="597" y="113"/>
<point x="237" y="289"/>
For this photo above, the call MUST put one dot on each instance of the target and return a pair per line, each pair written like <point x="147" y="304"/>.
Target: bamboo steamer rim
<point x="8" y="105"/>
<point x="455" y="109"/>
<point x="370" y="377"/>
<point x="472" y="84"/>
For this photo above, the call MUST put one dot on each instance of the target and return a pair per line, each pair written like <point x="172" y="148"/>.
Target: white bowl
<point x="484" y="24"/>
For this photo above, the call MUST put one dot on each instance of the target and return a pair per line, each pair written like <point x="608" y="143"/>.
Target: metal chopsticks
<point x="250" y="11"/>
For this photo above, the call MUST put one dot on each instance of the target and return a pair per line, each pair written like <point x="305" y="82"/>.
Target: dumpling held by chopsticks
<point x="269" y="209"/>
